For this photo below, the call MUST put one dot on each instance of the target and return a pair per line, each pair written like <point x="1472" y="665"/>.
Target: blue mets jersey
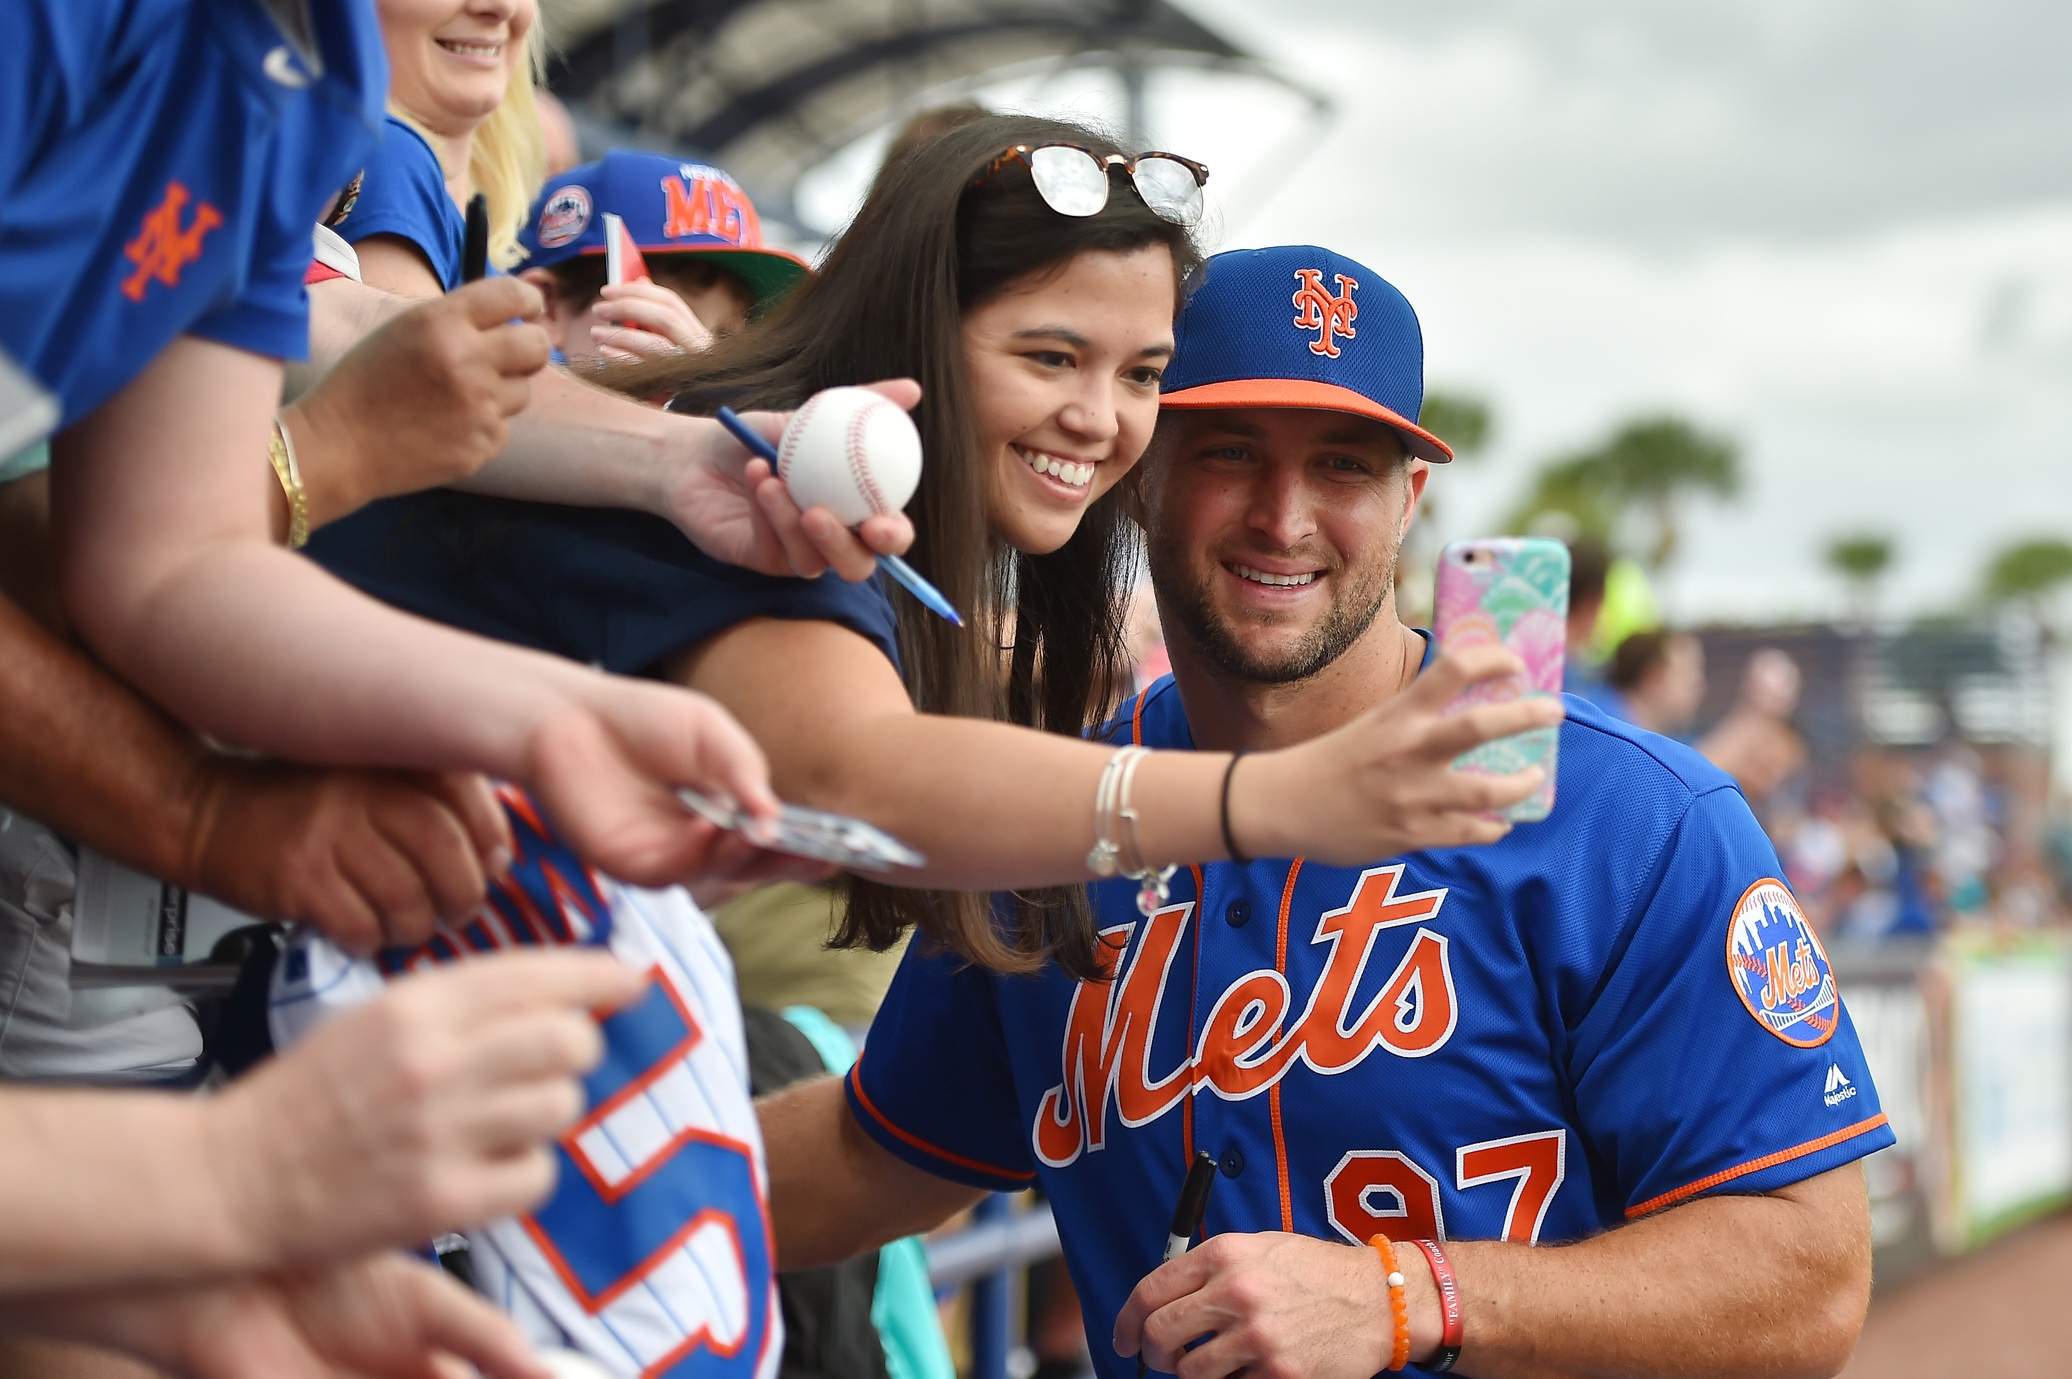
<point x="653" y="1254"/>
<point x="404" y="194"/>
<point x="1601" y="1016"/>
<point x="161" y="164"/>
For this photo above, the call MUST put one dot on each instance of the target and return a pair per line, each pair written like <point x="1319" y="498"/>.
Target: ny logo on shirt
<point x="1318" y="310"/>
<point x="162" y="248"/>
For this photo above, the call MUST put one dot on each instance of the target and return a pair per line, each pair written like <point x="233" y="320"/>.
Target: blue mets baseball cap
<point x="1299" y="326"/>
<point x="669" y="206"/>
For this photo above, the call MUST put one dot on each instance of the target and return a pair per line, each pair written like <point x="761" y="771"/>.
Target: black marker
<point x="1187" y="1216"/>
<point x="474" y="256"/>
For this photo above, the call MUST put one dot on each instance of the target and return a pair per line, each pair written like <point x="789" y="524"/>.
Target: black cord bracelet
<point x="1223" y="814"/>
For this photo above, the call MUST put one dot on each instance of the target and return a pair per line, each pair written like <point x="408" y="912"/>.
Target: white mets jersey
<point x="653" y="1254"/>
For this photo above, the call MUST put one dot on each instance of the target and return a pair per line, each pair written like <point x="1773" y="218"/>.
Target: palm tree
<point x="1861" y="559"/>
<point x="1568" y="500"/>
<point x="1651" y="464"/>
<point x="1462" y="420"/>
<point x="2029" y="572"/>
<point x="1648" y="466"/>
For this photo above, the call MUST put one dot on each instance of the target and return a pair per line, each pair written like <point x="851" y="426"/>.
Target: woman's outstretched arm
<point x="995" y="806"/>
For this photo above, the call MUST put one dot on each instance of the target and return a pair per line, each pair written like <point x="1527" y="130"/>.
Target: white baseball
<point x="567" y="1364"/>
<point x="852" y="450"/>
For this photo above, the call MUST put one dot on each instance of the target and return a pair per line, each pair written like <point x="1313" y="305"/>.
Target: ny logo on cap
<point x="1318" y="310"/>
<point x="161" y="248"/>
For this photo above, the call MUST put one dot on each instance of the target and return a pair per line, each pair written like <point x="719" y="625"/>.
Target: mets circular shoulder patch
<point x="1779" y="968"/>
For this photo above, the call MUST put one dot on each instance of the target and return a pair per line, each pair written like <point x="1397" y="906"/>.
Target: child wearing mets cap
<point x="698" y="233"/>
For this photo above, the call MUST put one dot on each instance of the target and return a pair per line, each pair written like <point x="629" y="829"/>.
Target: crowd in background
<point x="1880" y="842"/>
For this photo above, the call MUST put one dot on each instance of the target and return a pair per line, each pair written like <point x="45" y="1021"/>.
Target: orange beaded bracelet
<point x="1399" y="1306"/>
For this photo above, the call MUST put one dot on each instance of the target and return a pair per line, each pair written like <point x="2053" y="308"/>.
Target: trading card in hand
<point x="848" y="843"/>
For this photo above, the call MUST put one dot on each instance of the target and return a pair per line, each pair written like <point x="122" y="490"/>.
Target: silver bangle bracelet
<point x="1118" y="849"/>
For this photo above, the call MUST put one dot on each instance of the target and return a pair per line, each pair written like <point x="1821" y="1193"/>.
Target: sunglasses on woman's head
<point x="1074" y="180"/>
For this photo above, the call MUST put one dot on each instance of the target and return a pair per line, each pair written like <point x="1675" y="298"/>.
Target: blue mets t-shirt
<point x="404" y="194"/>
<point x="1601" y="1016"/>
<point x="610" y="588"/>
<point x="161" y="163"/>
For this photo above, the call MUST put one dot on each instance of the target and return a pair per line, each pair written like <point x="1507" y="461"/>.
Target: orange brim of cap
<point x="1321" y="397"/>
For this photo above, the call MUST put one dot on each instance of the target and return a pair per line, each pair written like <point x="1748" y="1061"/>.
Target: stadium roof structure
<point x="770" y="88"/>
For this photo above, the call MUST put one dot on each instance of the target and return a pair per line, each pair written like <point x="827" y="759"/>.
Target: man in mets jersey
<point x="1611" y="1031"/>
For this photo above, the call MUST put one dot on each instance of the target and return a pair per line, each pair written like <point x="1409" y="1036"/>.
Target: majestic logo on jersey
<point x="1839" y="1088"/>
<point x="162" y="247"/>
<point x="1318" y="310"/>
<point x="565" y="215"/>
<point x="1248" y="1042"/>
<point x="1779" y="968"/>
<point x="705" y="201"/>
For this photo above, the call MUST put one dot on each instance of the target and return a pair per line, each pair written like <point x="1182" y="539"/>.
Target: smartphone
<point x="1511" y="590"/>
<point x="846" y="842"/>
<point x="622" y="258"/>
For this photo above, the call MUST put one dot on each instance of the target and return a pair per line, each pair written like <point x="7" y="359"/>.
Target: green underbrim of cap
<point x="769" y="274"/>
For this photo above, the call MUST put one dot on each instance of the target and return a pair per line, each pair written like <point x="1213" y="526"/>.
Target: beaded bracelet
<point x="1399" y="1306"/>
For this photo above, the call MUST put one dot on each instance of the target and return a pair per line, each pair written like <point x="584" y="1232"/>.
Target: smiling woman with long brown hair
<point x="1039" y="336"/>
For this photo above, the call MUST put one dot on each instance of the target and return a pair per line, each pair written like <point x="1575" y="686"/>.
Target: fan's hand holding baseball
<point x="1384" y="784"/>
<point x="734" y="508"/>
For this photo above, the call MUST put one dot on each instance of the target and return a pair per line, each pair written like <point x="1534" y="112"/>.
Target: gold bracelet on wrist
<point x="281" y="451"/>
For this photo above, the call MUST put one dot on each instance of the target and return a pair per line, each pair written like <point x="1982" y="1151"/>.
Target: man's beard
<point x="1185" y="599"/>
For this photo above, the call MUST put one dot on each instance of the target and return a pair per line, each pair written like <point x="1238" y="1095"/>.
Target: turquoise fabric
<point x="904" y="1311"/>
<point x="22" y="464"/>
<point x="829" y="1040"/>
<point x="903" y="1307"/>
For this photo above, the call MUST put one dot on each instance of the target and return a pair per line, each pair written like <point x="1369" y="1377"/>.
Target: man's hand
<point x="426" y="400"/>
<point x="383" y="1314"/>
<point x="734" y="509"/>
<point x="425" y="1111"/>
<point x="1384" y="784"/>
<point x="1272" y="1306"/>
<point x="645" y="320"/>
<point x="372" y="858"/>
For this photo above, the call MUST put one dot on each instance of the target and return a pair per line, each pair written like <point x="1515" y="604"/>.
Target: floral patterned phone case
<point x="1512" y="590"/>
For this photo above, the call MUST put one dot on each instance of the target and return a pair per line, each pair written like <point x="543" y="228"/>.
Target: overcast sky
<point x="1839" y="231"/>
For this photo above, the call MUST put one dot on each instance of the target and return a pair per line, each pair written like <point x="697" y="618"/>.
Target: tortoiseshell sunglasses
<point x="1074" y="180"/>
